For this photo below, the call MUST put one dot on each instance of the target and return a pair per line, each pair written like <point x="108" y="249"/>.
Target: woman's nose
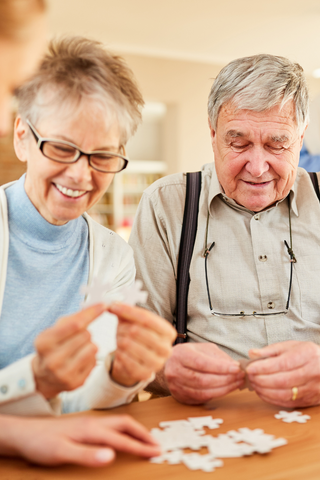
<point x="80" y="171"/>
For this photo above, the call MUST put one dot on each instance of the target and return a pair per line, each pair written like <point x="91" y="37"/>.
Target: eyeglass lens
<point x="68" y="154"/>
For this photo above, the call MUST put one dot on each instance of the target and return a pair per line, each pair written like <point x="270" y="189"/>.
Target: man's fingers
<point x="281" y="379"/>
<point x="198" y="361"/>
<point x="145" y="318"/>
<point x="194" y="396"/>
<point x="199" y="380"/>
<point x="291" y="359"/>
<point x="272" y="350"/>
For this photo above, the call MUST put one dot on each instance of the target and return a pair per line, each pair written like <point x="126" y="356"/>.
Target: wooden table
<point x="299" y="460"/>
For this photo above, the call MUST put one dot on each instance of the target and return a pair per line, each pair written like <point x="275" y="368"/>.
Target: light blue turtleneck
<point x="47" y="264"/>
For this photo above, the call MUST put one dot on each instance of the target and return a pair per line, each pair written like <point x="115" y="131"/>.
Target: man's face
<point x="256" y="154"/>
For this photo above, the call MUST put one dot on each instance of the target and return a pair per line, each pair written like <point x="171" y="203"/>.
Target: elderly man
<point x="259" y="214"/>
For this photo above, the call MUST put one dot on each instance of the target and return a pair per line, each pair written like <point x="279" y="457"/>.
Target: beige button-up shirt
<point x="248" y="268"/>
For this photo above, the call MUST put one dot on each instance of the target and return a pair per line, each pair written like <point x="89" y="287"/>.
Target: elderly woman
<point x="74" y="119"/>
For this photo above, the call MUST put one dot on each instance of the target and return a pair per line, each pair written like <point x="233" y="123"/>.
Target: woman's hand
<point x="65" y="353"/>
<point x="87" y="441"/>
<point x="144" y="343"/>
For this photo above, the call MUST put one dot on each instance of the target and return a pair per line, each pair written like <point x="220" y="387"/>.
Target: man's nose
<point x="80" y="171"/>
<point x="257" y="161"/>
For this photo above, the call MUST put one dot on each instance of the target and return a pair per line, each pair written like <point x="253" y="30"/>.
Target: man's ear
<point x="19" y="139"/>
<point x="302" y="136"/>
<point x="212" y="133"/>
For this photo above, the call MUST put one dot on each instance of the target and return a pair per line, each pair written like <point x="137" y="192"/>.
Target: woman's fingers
<point x="127" y="424"/>
<point x="133" y="333"/>
<point x="74" y="453"/>
<point x="66" y="328"/>
<point x="145" y="318"/>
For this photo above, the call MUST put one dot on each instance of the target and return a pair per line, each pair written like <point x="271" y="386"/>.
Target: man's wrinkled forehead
<point x="279" y="116"/>
<point x="275" y="138"/>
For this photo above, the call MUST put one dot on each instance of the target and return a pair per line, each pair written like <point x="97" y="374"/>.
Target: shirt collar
<point x="216" y="189"/>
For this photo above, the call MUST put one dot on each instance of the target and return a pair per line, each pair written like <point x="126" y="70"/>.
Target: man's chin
<point x="254" y="204"/>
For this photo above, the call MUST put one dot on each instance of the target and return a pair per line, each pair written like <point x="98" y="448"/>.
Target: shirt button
<point x="256" y="217"/>
<point x="263" y="258"/>
<point x="270" y="305"/>
<point x="22" y="384"/>
<point x="3" y="389"/>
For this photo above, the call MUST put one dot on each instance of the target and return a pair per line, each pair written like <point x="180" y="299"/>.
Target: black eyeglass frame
<point x="42" y="140"/>
<point x="254" y="313"/>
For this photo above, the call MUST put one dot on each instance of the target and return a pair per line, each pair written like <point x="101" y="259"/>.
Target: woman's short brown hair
<point x="76" y="69"/>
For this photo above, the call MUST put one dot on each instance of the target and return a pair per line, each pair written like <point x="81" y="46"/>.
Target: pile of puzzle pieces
<point x="176" y="435"/>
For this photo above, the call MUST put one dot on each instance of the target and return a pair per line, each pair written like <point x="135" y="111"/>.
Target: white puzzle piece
<point x="173" y="458"/>
<point x="199" y="422"/>
<point x="134" y="294"/>
<point x="206" y="463"/>
<point x="224" y="446"/>
<point x="180" y="434"/>
<point x="290" y="417"/>
<point x="98" y="290"/>
<point x="260" y="441"/>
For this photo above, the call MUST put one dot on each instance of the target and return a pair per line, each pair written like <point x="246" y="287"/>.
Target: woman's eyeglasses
<point x="66" y="152"/>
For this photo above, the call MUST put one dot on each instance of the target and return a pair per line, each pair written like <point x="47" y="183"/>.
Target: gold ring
<point x="294" y="393"/>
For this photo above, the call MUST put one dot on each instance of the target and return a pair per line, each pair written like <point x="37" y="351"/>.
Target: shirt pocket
<point x="307" y="273"/>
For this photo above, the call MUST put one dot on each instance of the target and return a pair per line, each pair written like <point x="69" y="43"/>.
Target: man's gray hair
<point x="259" y="83"/>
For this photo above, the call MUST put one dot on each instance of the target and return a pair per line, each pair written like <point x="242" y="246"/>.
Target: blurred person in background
<point x="87" y="441"/>
<point x="310" y="151"/>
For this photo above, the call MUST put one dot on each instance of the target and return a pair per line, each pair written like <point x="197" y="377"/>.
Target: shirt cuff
<point x="18" y="395"/>
<point x="100" y="391"/>
<point x="136" y="388"/>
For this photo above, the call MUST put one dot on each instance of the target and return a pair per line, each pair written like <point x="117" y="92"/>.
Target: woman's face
<point x="46" y="178"/>
<point x="18" y="59"/>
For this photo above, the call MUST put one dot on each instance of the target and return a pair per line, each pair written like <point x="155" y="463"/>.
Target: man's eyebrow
<point x="234" y="134"/>
<point x="280" y="138"/>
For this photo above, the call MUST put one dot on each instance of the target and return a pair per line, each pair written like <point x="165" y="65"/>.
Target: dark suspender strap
<point x="315" y="183"/>
<point x="188" y="236"/>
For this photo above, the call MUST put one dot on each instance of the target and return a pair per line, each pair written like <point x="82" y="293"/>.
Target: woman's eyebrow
<point x="58" y="136"/>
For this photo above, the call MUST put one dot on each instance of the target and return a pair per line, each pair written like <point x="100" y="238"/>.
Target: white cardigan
<point x="111" y="258"/>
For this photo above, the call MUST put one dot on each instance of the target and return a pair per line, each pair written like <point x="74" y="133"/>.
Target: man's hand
<point x="144" y="342"/>
<point x="198" y="372"/>
<point x="290" y="364"/>
<point x="81" y="441"/>
<point x="65" y="353"/>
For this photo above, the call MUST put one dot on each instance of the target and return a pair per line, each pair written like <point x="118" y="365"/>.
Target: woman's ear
<point x="19" y="139"/>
